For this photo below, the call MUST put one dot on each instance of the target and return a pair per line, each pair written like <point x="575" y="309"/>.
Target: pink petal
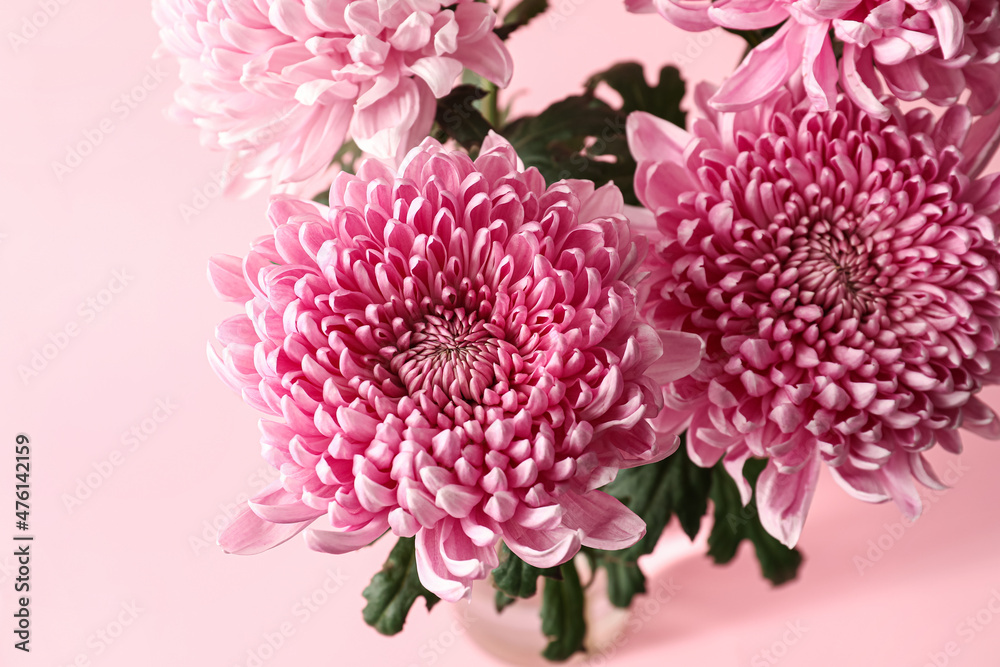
<point x="854" y="81"/>
<point x="733" y="462"/>
<point x="439" y="73"/>
<point x="388" y="127"/>
<point x="225" y="273"/>
<point x="547" y="548"/>
<point x="860" y="484"/>
<point x="980" y="419"/>
<point x="924" y="473"/>
<point x="457" y="500"/>
<point x="950" y="26"/>
<point x="981" y="143"/>
<point x="984" y="88"/>
<point x="682" y="353"/>
<point x="751" y="15"/>
<point x="433" y="569"/>
<point x="897" y="478"/>
<point x="640" y="6"/>
<point x="481" y="50"/>
<point x="277" y="505"/>
<point x="413" y="33"/>
<point x="819" y="68"/>
<point x="248" y="534"/>
<point x="762" y="72"/>
<point x="691" y="15"/>
<point x="652" y="139"/>
<point x="605" y="522"/>
<point x="342" y="542"/>
<point x="783" y="500"/>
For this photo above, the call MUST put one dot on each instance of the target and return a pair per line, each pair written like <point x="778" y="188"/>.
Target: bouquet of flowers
<point x="507" y="344"/>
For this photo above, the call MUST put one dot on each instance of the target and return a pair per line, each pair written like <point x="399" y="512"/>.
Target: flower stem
<point x="491" y="106"/>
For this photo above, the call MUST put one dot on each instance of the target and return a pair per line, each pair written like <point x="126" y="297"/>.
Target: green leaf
<point x="394" y="589"/>
<point x="582" y="136"/>
<point x="516" y="578"/>
<point x="501" y="600"/>
<point x="577" y="137"/>
<point x="689" y="488"/>
<point x="625" y="578"/>
<point x="673" y="486"/>
<point x="735" y="523"/>
<point x="563" y="622"/>
<point x="458" y="118"/>
<point x="520" y="16"/>
<point x="629" y="81"/>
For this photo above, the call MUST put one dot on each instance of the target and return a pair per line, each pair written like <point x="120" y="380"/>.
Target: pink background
<point x="132" y="549"/>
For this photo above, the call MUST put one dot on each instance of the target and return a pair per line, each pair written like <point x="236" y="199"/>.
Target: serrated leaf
<point x="625" y="579"/>
<point x="501" y="601"/>
<point x="577" y="137"/>
<point x="655" y="492"/>
<point x="567" y="122"/>
<point x="394" y="590"/>
<point x="563" y="622"/>
<point x="518" y="17"/>
<point x="689" y="489"/>
<point x="458" y="118"/>
<point x="629" y="81"/>
<point x="515" y="577"/>
<point x="735" y="523"/>
<point x="583" y="137"/>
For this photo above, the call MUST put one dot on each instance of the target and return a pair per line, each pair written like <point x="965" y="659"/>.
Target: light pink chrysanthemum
<point x="842" y="271"/>
<point x="454" y="353"/>
<point x="281" y="83"/>
<point x="933" y="49"/>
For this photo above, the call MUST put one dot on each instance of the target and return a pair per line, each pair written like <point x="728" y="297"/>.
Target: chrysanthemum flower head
<point x="451" y="351"/>
<point x="842" y="271"/>
<point x="935" y="49"/>
<point x="281" y="83"/>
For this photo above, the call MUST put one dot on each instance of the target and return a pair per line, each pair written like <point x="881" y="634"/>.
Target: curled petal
<point x="604" y="521"/>
<point x="342" y="542"/>
<point x="766" y="68"/>
<point x="547" y="548"/>
<point x="248" y="534"/>
<point x="783" y="500"/>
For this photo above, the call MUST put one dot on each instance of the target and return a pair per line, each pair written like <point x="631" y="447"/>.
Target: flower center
<point x="837" y="261"/>
<point x="449" y="355"/>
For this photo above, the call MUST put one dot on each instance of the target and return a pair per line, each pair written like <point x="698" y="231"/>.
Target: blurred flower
<point x="842" y="272"/>
<point x="934" y="49"/>
<point x="455" y="353"/>
<point x="281" y="83"/>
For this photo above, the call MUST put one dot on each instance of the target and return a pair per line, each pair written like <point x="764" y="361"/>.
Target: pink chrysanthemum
<point x="842" y="272"/>
<point x="454" y="353"/>
<point x="281" y="83"/>
<point x="933" y="49"/>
